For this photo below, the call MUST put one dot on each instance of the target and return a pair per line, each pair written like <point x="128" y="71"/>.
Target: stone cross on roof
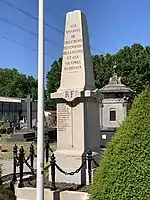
<point x="115" y="84"/>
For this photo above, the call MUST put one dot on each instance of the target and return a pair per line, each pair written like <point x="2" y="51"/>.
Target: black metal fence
<point x="19" y="160"/>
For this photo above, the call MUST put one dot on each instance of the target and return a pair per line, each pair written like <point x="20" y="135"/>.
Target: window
<point x="112" y="115"/>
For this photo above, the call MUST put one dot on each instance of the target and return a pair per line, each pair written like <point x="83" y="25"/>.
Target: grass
<point x="5" y="144"/>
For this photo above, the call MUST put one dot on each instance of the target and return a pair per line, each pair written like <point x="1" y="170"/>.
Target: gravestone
<point x="77" y="102"/>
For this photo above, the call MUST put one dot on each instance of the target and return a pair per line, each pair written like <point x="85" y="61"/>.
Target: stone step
<point x="22" y="199"/>
<point x="30" y="194"/>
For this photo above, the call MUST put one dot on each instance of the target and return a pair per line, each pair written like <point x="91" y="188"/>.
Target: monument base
<point x="70" y="161"/>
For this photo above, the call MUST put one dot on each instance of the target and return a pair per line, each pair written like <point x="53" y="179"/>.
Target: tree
<point x="53" y="77"/>
<point x="102" y="67"/>
<point x="124" y="169"/>
<point x="53" y="82"/>
<point x="14" y="84"/>
<point x="133" y="66"/>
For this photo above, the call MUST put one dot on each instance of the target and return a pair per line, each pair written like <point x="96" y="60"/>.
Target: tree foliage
<point x="15" y="84"/>
<point x="53" y="76"/>
<point x="124" y="169"/>
<point x="133" y="66"/>
<point x="53" y="81"/>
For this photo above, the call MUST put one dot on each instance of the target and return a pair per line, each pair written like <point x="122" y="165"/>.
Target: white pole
<point x="40" y="124"/>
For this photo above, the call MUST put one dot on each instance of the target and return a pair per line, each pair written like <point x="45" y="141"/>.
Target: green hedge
<point x="124" y="172"/>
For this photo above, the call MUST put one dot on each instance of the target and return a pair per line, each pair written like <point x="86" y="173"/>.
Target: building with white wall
<point x="114" y="106"/>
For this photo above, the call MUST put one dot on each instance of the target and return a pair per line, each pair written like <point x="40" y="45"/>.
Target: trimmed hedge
<point x="124" y="172"/>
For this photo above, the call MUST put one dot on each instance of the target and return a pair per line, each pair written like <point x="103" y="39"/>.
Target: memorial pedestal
<point x="76" y="132"/>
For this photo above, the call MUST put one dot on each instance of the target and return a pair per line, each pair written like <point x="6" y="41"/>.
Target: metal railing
<point x="19" y="160"/>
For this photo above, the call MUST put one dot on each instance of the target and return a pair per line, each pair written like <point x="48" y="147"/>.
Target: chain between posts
<point x="89" y="159"/>
<point x="70" y="173"/>
<point x="21" y="160"/>
<point x="95" y="163"/>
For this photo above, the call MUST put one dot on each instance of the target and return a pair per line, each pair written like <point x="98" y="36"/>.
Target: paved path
<point x="7" y="166"/>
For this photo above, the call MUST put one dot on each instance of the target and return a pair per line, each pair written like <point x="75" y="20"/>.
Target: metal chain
<point x="16" y="162"/>
<point x="17" y="157"/>
<point x="47" y="167"/>
<point x="26" y="162"/>
<point x="51" y="150"/>
<point x="95" y="163"/>
<point x="35" y="155"/>
<point x="70" y="173"/>
<point x="28" y="157"/>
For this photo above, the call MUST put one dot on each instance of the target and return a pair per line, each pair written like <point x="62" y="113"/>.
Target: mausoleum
<point x="114" y="106"/>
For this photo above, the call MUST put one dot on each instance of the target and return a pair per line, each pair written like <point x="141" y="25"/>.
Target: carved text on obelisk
<point x="73" y="48"/>
<point x="64" y="117"/>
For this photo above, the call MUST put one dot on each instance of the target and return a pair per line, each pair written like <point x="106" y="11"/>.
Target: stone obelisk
<point x="77" y="104"/>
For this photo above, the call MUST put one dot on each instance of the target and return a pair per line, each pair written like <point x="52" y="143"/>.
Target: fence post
<point x="47" y="150"/>
<point x="11" y="187"/>
<point x="15" y="150"/>
<point x="32" y="156"/>
<point x="52" y="162"/>
<point x="21" y="162"/>
<point x="89" y="158"/>
<point x="1" y="174"/>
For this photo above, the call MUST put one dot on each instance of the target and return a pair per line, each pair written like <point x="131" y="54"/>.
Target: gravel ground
<point x="31" y="182"/>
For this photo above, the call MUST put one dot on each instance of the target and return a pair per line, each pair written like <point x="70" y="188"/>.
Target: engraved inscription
<point x="73" y="31"/>
<point x="73" y="36"/>
<point x="70" y="94"/>
<point x="72" y="41"/>
<point x="73" y="49"/>
<point x="64" y="117"/>
<point x="72" y="52"/>
<point x="73" y="62"/>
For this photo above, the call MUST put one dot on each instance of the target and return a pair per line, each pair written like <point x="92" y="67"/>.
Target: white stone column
<point x="78" y="107"/>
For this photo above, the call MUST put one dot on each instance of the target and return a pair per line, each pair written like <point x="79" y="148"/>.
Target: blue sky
<point x="112" y="24"/>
